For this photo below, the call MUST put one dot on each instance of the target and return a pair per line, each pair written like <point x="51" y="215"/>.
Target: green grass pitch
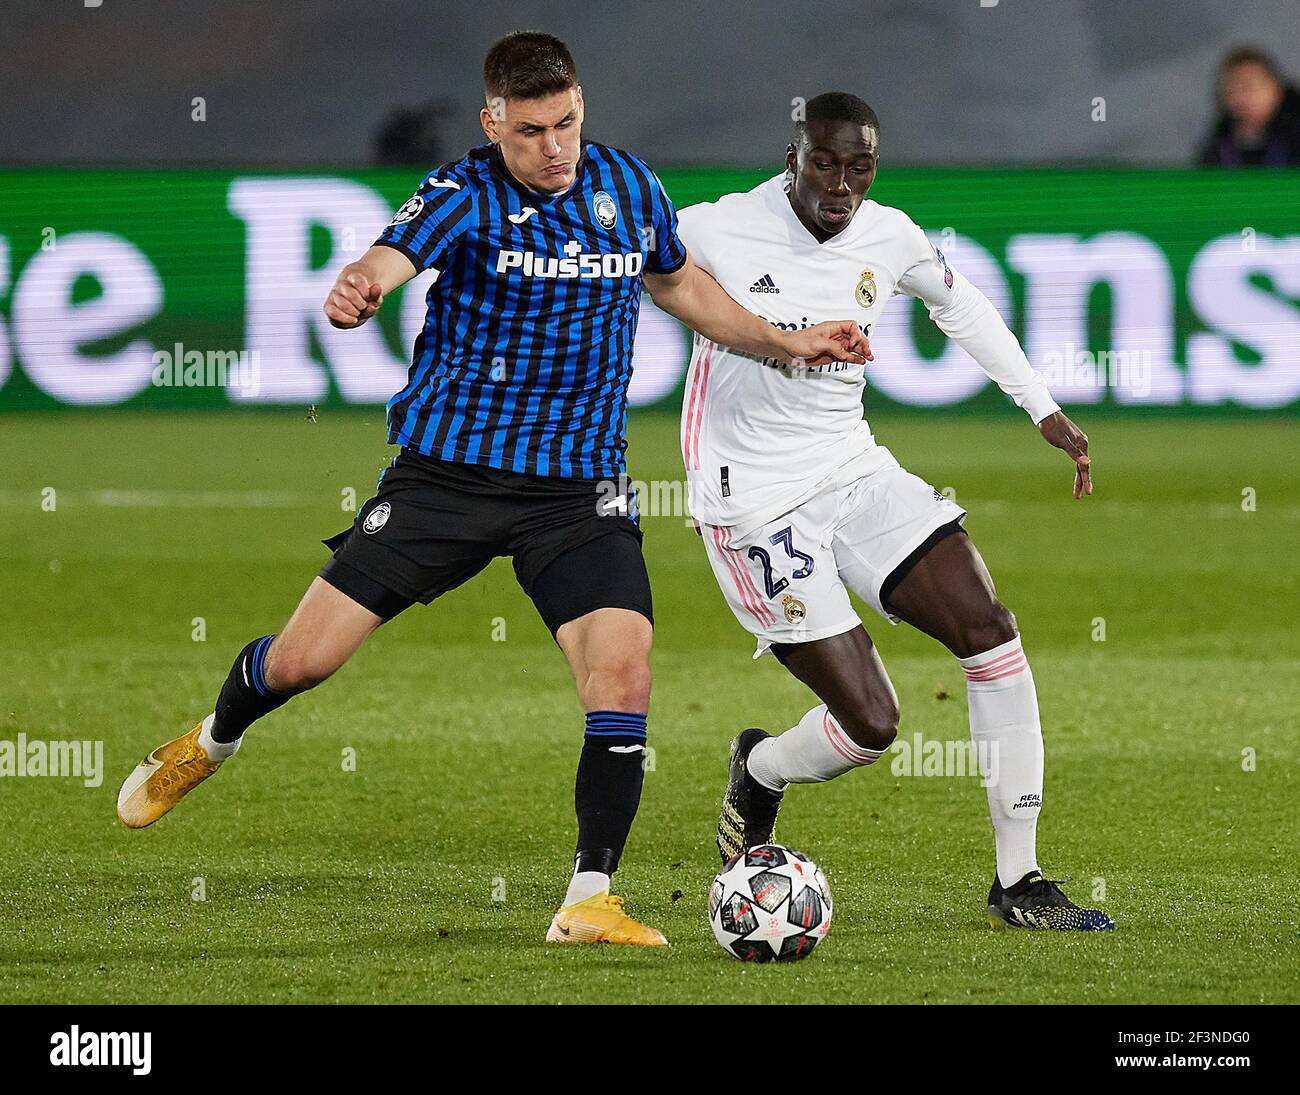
<point x="430" y="872"/>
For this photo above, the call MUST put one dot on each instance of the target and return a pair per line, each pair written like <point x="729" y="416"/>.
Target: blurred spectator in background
<point x="1259" y="114"/>
<point x="409" y="137"/>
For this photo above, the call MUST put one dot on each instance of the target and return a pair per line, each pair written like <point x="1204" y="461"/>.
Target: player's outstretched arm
<point x="691" y="295"/>
<point x="968" y="317"/>
<point x="361" y="286"/>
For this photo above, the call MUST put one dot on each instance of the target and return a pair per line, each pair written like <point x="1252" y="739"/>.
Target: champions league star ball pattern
<point x="770" y="904"/>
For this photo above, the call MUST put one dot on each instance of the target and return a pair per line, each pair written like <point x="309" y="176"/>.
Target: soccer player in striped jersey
<point x="798" y="503"/>
<point x="511" y="433"/>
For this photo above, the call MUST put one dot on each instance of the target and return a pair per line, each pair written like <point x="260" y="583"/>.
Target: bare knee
<point x="291" y="668"/>
<point x="617" y="684"/>
<point x="985" y="630"/>
<point x="871" y="722"/>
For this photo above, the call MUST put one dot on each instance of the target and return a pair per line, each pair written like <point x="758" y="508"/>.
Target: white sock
<point x="1009" y="742"/>
<point x="814" y="750"/>
<point x="585" y="884"/>
<point x="217" y="750"/>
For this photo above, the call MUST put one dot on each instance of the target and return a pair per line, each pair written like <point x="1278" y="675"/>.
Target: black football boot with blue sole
<point x="1037" y="902"/>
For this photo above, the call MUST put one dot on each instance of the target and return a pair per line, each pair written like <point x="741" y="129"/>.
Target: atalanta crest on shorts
<point x="409" y="211"/>
<point x="866" y="290"/>
<point x="377" y="518"/>
<point x="606" y="212"/>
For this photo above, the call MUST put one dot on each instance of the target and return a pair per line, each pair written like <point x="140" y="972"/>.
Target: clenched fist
<point x="353" y="300"/>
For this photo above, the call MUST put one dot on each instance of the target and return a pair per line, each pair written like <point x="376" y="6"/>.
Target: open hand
<point x="1065" y="435"/>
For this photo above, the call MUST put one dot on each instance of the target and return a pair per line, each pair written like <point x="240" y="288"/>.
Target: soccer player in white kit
<point x="797" y="503"/>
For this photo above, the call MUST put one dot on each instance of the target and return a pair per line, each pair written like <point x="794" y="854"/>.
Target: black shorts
<point x="575" y="543"/>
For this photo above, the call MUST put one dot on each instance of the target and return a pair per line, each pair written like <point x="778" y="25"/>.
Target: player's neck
<point x="817" y="233"/>
<point x="543" y="194"/>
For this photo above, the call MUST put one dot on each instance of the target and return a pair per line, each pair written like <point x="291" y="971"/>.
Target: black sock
<point x="246" y="697"/>
<point x="610" y="773"/>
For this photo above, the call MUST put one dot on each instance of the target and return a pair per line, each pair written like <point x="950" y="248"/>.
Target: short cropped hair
<point x="528" y="65"/>
<point x="836" y="106"/>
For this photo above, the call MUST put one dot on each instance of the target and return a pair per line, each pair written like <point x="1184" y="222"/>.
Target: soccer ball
<point x="770" y="904"/>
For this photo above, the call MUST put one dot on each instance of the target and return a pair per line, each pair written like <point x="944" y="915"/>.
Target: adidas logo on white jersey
<point x="765" y="284"/>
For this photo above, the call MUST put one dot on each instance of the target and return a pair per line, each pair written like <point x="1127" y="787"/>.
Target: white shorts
<point x="788" y="581"/>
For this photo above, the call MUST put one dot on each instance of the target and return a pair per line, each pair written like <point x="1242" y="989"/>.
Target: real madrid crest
<point x="866" y="291"/>
<point x="606" y="212"/>
<point x="794" y="609"/>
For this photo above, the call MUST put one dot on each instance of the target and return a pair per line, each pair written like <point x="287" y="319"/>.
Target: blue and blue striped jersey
<point x="526" y="352"/>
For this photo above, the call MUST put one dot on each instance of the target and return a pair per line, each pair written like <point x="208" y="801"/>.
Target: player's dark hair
<point x="836" y="106"/>
<point x="527" y="64"/>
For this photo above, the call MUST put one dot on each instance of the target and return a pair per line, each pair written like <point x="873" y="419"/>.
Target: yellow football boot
<point x="162" y="779"/>
<point x="601" y="919"/>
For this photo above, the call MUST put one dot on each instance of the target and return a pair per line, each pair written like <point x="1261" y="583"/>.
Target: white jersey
<point x="760" y="436"/>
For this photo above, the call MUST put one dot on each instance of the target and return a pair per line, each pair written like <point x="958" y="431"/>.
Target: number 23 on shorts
<point x="785" y="539"/>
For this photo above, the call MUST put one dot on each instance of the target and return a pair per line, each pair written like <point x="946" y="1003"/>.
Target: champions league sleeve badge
<point x="409" y="211"/>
